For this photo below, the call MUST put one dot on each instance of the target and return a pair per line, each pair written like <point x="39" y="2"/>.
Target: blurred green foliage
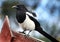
<point x="7" y="7"/>
<point x="53" y="30"/>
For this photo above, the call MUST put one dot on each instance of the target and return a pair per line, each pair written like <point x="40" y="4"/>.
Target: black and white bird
<point x="27" y="21"/>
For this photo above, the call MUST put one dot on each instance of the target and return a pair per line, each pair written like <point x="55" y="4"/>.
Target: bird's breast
<point x="28" y="24"/>
<point x="20" y="16"/>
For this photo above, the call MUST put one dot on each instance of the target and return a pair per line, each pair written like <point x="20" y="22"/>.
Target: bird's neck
<point x="21" y="10"/>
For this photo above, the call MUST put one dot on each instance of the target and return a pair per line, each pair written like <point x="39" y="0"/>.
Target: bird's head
<point x="20" y="7"/>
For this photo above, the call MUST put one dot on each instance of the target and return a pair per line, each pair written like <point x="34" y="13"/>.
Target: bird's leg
<point x="29" y="32"/>
<point x="23" y="31"/>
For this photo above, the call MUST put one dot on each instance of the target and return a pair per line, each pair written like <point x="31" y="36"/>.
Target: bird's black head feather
<point x="21" y="7"/>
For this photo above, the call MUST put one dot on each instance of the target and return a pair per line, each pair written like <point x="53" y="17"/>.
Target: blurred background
<point x="47" y="11"/>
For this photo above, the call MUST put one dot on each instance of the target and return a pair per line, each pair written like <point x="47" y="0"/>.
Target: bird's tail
<point x="46" y="35"/>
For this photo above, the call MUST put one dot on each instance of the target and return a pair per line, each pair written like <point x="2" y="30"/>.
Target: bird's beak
<point x="14" y="6"/>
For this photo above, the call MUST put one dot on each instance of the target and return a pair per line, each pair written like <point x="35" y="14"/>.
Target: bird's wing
<point x="34" y="14"/>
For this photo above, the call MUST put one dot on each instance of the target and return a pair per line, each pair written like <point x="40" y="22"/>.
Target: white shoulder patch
<point x="29" y="14"/>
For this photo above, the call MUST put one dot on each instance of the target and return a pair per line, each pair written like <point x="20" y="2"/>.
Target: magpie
<point x="27" y="21"/>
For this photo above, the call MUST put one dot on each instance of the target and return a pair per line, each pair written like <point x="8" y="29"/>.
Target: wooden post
<point x="7" y="35"/>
